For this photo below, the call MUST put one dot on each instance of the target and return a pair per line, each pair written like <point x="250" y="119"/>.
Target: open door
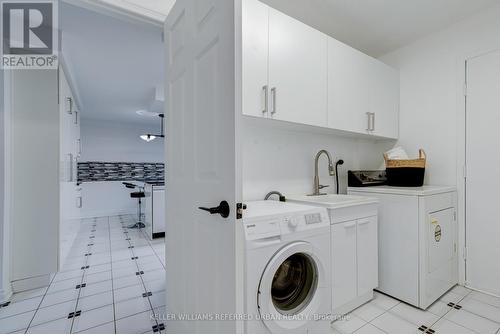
<point x="201" y="167"/>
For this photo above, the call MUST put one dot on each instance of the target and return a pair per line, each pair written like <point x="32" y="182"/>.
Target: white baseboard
<point x="5" y="294"/>
<point x="31" y="283"/>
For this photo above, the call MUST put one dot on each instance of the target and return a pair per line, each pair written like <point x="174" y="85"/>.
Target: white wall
<point x="432" y="101"/>
<point x="432" y="76"/>
<point x="279" y="158"/>
<point x="114" y="142"/>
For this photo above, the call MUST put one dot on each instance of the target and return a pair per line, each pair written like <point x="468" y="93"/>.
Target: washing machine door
<point x="287" y="298"/>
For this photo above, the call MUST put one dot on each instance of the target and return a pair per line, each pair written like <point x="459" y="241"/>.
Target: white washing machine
<point x="418" y="241"/>
<point x="287" y="268"/>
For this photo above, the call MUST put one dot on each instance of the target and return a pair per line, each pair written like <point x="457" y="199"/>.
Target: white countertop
<point x="410" y="191"/>
<point x="332" y="201"/>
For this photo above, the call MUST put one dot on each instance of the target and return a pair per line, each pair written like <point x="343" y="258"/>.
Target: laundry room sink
<point x="332" y="201"/>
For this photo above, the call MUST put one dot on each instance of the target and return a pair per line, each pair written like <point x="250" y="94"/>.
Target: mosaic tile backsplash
<point x="94" y="171"/>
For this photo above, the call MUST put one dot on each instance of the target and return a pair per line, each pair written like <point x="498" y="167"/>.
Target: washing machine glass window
<point x="294" y="284"/>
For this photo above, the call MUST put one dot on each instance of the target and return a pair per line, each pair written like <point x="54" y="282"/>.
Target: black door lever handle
<point x="223" y="209"/>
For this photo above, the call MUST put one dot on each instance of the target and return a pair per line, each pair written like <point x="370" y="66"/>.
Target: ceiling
<point x="114" y="64"/>
<point x="377" y="27"/>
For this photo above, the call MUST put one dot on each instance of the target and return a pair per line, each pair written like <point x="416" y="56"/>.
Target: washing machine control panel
<point x="304" y="221"/>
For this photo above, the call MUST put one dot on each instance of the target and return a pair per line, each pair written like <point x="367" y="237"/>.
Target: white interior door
<point x="201" y="117"/>
<point x="483" y="160"/>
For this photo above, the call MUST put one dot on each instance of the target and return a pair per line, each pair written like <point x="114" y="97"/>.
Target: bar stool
<point x="139" y="195"/>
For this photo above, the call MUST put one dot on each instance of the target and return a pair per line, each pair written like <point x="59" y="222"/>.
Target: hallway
<point x="113" y="281"/>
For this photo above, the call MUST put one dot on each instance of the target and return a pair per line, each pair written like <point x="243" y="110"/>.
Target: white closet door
<point x="483" y="161"/>
<point x="201" y="146"/>
<point x="298" y="66"/>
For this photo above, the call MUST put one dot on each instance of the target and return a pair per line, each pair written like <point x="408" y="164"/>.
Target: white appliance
<point x="154" y="209"/>
<point x="417" y="241"/>
<point x="287" y="268"/>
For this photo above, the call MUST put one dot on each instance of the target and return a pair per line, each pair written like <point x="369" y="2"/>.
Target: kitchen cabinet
<point x="284" y="67"/>
<point x="363" y="93"/>
<point x="292" y="72"/>
<point x="354" y="262"/>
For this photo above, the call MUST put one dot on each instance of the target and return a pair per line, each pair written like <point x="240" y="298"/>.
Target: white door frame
<point x="461" y="156"/>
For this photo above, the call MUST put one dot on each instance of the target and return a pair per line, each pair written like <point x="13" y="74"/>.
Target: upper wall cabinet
<point x="284" y="67"/>
<point x="363" y="93"/>
<point x="255" y="58"/>
<point x="298" y="67"/>
<point x="294" y="73"/>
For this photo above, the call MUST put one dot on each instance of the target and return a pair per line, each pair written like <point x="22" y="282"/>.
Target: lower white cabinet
<point x="367" y="255"/>
<point x="344" y="261"/>
<point x="354" y="263"/>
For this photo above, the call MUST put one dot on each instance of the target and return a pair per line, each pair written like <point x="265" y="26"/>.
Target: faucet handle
<point x="323" y="186"/>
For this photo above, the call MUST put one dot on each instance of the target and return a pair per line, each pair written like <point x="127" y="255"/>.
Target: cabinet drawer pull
<point x="363" y="222"/>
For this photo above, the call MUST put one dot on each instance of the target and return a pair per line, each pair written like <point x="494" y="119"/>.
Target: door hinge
<point x="240" y="208"/>
<point x="465" y="171"/>
<point x="465" y="253"/>
<point x="454" y="247"/>
<point x="454" y="216"/>
<point x="465" y="88"/>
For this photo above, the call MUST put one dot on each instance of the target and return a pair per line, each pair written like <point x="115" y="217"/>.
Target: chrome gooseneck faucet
<point x="331" y="170"/>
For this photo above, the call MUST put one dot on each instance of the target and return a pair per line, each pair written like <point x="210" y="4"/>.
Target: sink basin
<point x="332" y="201"/>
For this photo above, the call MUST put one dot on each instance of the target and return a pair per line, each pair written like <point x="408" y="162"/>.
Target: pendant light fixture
<point x="148" y="137"/>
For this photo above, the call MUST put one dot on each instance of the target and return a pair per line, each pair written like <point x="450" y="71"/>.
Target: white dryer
<point x="418" y="241"/>
<point x="287" y="259"/>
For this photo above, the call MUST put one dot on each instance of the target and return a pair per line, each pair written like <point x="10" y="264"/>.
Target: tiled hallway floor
<point x="113" y="282"/>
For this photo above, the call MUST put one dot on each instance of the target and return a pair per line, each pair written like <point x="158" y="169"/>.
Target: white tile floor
<point x="107" y="261"/>
<point x="106" y="273"/>
<point x="476" y="313"/>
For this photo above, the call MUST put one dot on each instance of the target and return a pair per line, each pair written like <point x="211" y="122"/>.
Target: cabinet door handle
<point x="363" y="222"/>
<point x="371" y="121"/>
<point x="273" y="96"/>
<point x="70" y="167"/>
<point x="76" y="117"/>
<point x="265" y="92"/>
<point x="69" y="101"/>
<point x="79" y="145"/>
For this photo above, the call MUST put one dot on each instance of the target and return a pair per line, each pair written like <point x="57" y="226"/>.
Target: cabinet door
<point x="348" y="88"/>
<point x="343" y="263"/>
<point x="255" y="57"/>
<point x="367" y="250"/>
<point x="297" y="71"/>
<point x="384" y="99"/>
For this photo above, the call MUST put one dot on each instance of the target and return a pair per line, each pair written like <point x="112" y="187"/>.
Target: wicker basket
<point x="406" y="173"/>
